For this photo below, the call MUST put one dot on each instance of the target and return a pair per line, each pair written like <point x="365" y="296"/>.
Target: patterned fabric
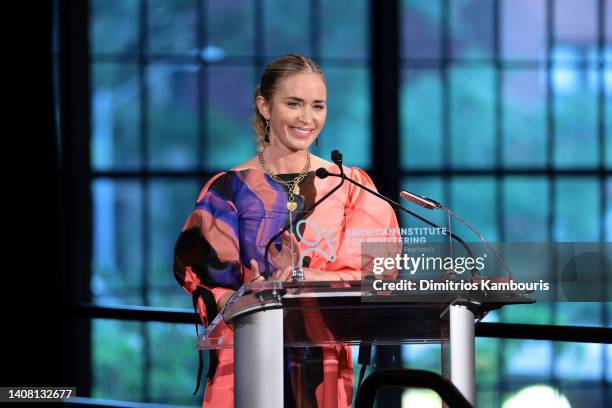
<point x="236" y="213"/>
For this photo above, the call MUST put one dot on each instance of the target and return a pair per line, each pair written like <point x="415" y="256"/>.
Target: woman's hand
<point x="286" y="257"/>
<point x="284" y="275"/>
<point x="311" y="274"/>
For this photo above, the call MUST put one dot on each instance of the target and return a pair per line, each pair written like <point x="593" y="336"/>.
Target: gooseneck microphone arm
<point x="322" y="173"/>
<point x="337" y="159"/>
<point x="430" y="204"/>
<point x="482" y="238"/>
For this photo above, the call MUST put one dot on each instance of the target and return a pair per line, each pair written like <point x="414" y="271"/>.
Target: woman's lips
<point x="300" y="132"/>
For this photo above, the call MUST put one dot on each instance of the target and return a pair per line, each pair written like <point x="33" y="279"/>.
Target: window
<point x="494" y="118"/>
<point x="491" y="117"/>
<point x="172" y="85"/>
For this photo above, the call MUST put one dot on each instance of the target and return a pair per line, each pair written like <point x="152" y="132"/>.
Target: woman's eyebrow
<point x="295" y="98"/>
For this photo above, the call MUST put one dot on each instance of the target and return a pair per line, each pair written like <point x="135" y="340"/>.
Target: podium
<point x="267" y="316"/>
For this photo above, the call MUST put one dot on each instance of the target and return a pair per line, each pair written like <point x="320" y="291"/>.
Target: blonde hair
<point x="274" y="72"/>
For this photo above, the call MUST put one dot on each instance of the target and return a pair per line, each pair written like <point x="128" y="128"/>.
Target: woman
<point x="223" y="241"/>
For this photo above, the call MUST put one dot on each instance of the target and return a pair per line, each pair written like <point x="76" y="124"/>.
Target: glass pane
<point x="230" y="28"/>
<point x="132" y="362"/>
<point x="174" y="369"/>
<point x="472" y="118"/>
<point x="487" y="398"/>
<point x="575" y="110"/>
<point x="608" y="114"/>
<point x="471" y="28"/>
<point x="286" y="27"/>
<point x="524" y="119"/>
<point x="117" y="242"/>
<point x="474" y="199"/>
<point x="577" y="214"/>
<point x="578" y="361"/>
<point x="420" y="24"/>
<point x="519" y="361"/>
<point x="421" y="119"/>
<point x="608" y="350"/>
<point x="538" y="313"/>
<point x="590" y="394"/>
<point x="422" y="357"/>
<point x="608" y="22"/>
<point x="172" y="26"/>
<point x="608" y="214"/>
<point x="170" y="203"/>
<point x="488" y="356"/>
<point x="115" y="105"/>
<point x="173" y="116"/>
<point x="348" y="125"/>
<point x="118" y="361"/>
<point x="230" y="139"/>
<point x="114" y="26"/>
<point x="530" y="41"/>
<point x="575" y="22"/>
<point x="524" y="221"/>
<point x="336" y="40"/>
<point x="579" y="313"/>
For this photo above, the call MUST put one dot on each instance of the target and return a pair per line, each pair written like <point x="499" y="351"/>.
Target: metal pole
<point x="258" y="360"/>
<point x="462" y="344"/>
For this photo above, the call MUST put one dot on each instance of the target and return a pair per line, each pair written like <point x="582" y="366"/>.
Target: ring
<point x="297" y="274"/>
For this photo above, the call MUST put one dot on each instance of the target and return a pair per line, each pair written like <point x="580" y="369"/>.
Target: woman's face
<point x="297" y="111"/>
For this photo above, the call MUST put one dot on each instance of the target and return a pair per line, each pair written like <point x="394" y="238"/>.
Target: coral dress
<point x="235" y="215"/>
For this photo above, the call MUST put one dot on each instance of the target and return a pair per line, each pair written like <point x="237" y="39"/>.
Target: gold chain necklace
<point x="292" y="185"/>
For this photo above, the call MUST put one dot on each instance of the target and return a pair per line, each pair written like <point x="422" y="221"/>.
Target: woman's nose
<point x="305" y="116"/>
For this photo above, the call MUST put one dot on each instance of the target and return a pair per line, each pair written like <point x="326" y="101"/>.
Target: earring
<point x="266" y="132"/>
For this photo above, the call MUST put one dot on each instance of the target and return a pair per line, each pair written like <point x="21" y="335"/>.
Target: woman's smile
<point x="300" y="131"/>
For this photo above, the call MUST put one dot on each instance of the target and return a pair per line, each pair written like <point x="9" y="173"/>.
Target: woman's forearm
<point x="224" y="299"/>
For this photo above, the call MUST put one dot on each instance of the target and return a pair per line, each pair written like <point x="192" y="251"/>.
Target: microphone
<point x="420" y="200"/>
<point x="336" y="157"/>
<point x="323" y="173"/>
<point x="432" y="205"/>
<point x="320" y="173"/>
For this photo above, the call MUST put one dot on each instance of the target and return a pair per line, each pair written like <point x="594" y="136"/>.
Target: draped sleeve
<point x="207" y="255"/>
<point x="368" y="218"/>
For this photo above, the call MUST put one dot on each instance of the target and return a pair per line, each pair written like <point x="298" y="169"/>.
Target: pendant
<point x="296" y="189"/>
<point x="291" y="206"/>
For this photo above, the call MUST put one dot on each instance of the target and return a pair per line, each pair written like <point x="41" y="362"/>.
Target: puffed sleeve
<point x="206" y="254"/>
<point x="368" y="218"/>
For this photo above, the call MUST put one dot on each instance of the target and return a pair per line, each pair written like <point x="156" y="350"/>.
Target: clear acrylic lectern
<point x="268" y="316"/>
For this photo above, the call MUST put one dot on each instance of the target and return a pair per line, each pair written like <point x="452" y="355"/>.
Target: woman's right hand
<point x="289" y="255"/>
<point x="281" y="275"/>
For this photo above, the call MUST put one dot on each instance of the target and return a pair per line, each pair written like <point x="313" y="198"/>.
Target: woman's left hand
<point x="311" y="274"/>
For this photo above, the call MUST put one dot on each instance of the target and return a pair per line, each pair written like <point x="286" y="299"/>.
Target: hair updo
<point x="273" y="73"/>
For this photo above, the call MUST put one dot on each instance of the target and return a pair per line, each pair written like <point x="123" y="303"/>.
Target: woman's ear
<point x="263" y="107"/>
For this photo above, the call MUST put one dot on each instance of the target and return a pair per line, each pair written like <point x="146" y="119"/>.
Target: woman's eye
<point x="319" y="107"/>
<point x="292" y="103"/>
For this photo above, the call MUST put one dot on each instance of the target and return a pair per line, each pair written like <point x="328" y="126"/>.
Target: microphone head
<point x="420" y="200"/>
<point x="322" y="172"/>
<point x="336" y="157"/>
